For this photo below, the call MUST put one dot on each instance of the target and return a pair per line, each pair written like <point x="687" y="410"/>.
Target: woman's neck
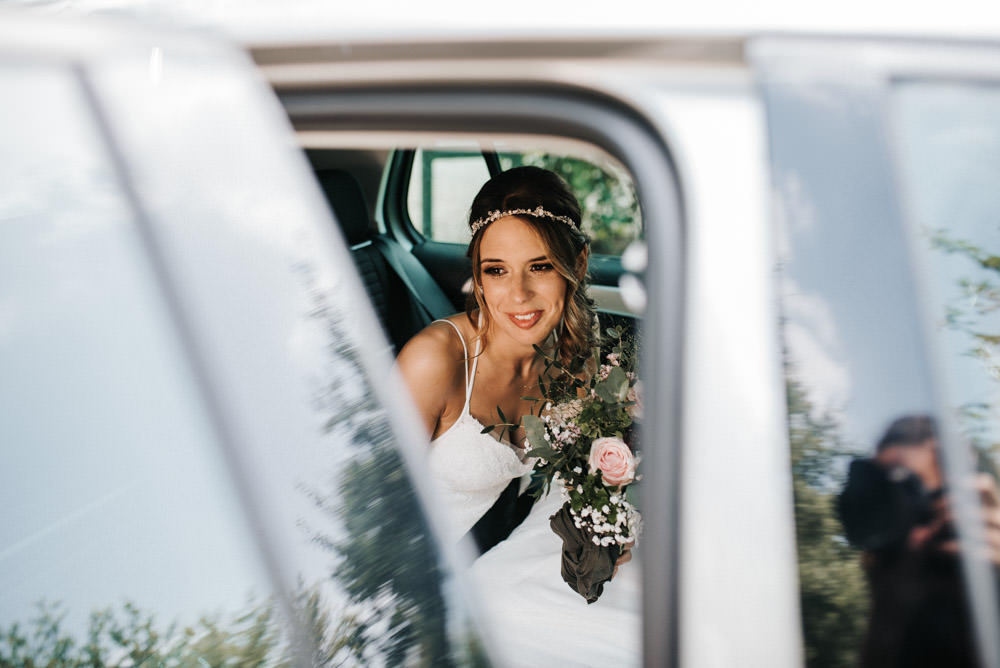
<point x="519" y="361"/>
<point x="515" y="363"/>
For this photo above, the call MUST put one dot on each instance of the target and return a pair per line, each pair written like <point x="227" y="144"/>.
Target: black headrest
<point x="347" y="200"/>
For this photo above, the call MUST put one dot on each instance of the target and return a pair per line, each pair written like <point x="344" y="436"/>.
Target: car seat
<point x="405" y="296"/>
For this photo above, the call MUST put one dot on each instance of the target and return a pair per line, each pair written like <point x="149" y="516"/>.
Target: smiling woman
<point x="530" y="264"/>
<point x="528" y="314"/>
<point x="522" y="293"/>
<point x="518" y="212"/>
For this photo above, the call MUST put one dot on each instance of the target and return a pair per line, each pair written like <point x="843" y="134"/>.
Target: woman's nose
<point x="521" y="289"/>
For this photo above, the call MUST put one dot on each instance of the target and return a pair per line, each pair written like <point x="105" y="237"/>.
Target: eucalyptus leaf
<point x="619" y="381"/>
<point x="487" y="429"/>
<point x="631" y="495"/>
<point x="543" y="451"/>
<point x="534" y="430"/>
<point x="614" y="388"/>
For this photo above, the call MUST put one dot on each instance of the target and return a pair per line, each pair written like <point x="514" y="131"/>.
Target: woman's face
<point x="523" y="291"/>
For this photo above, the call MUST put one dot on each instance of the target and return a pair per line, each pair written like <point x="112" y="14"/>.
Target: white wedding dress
<point x="535" y="617"/>
<point x="471" y="469"/>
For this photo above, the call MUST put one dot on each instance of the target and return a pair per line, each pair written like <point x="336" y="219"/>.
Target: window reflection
<point x="122" y="530"/>
<point x="137" y="541"/>
<point x="856" y="361"/>
<point x="950" y="158"/>
<point x="383" y="557"/>
<point x="294" y="352"/>
<point x="949" y="153"/>
<point x="896" y="508"/>
<point x="882" y="485"/>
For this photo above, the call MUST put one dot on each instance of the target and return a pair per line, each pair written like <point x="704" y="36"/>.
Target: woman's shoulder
<point x="436" y="349"/>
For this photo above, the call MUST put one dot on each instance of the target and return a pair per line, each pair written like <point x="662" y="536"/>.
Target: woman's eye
<point x="542" y="266"/>
<point x="493" y="271"/>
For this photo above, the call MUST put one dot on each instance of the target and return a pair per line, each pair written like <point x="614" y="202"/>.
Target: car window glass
<point x="442" y="185"/>
<point x="289" y="333"/>
<point x="949" y="139"/>
<point x="606" y="192"/>
<point x="119" y="506"/>
<point x="874" y="472"/>
<point x="192" y="391"/>
<point x="949" y="151"/>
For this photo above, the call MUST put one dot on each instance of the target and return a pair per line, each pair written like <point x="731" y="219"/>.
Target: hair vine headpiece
<point x="537" y="212"/>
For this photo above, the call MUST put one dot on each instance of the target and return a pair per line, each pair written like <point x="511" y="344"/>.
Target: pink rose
<point x="612" y="457"/>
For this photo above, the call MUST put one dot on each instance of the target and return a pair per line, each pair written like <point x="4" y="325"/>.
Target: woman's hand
<point x="626" y="556"/>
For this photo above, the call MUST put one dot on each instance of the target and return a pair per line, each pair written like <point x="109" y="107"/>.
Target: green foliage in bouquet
<point x="583" y="432"/>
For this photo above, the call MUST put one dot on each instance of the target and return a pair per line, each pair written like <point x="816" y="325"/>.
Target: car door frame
<point x="625" y="133"/>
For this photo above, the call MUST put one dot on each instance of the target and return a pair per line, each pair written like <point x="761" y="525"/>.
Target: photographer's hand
<point x="928" y="536"/>
<point x="986" y="489"/>
<point x="989" y="497"/>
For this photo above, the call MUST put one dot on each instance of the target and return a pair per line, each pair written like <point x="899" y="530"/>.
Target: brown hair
<point x="528" y="188"/>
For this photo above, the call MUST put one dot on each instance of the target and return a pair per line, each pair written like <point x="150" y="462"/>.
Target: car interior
<point x="403" y="213"/>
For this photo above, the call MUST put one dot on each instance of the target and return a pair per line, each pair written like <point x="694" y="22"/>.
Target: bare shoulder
<point x="433" y="354"/>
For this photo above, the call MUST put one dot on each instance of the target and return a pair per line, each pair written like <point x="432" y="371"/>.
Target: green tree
<point x="386" y="562"/>
<point x="833" y="592"/>
<point x="972" y="314"/>
<point x="611" y="213"/>
<point x="128" y="636"/>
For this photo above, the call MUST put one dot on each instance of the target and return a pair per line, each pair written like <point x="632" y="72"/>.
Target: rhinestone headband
<point x="537" y="212"/>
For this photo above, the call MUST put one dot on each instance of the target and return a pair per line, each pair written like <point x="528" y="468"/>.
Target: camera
<point x="880" y="505"/>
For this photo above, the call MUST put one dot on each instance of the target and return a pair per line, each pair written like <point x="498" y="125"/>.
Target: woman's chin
<point x="533" y="336"/>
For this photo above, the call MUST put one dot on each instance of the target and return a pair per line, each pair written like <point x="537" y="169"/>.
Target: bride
<point x="529" y="262"/>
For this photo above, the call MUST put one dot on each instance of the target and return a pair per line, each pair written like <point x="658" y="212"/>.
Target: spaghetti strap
<point x="469" y="377"/>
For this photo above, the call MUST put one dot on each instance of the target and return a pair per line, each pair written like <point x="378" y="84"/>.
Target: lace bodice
<point x="470" y="468"/>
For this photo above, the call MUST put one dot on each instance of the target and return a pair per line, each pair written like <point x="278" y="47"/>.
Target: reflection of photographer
<point x="895" y="508"/>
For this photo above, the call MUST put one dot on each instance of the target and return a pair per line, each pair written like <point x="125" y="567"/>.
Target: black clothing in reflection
<point x="920" y="613"/>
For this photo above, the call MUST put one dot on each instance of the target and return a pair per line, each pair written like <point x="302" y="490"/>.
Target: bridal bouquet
<point x="583" y="436"/>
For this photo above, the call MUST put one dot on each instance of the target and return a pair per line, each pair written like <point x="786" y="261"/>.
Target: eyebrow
<point x="534" y="259"/>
